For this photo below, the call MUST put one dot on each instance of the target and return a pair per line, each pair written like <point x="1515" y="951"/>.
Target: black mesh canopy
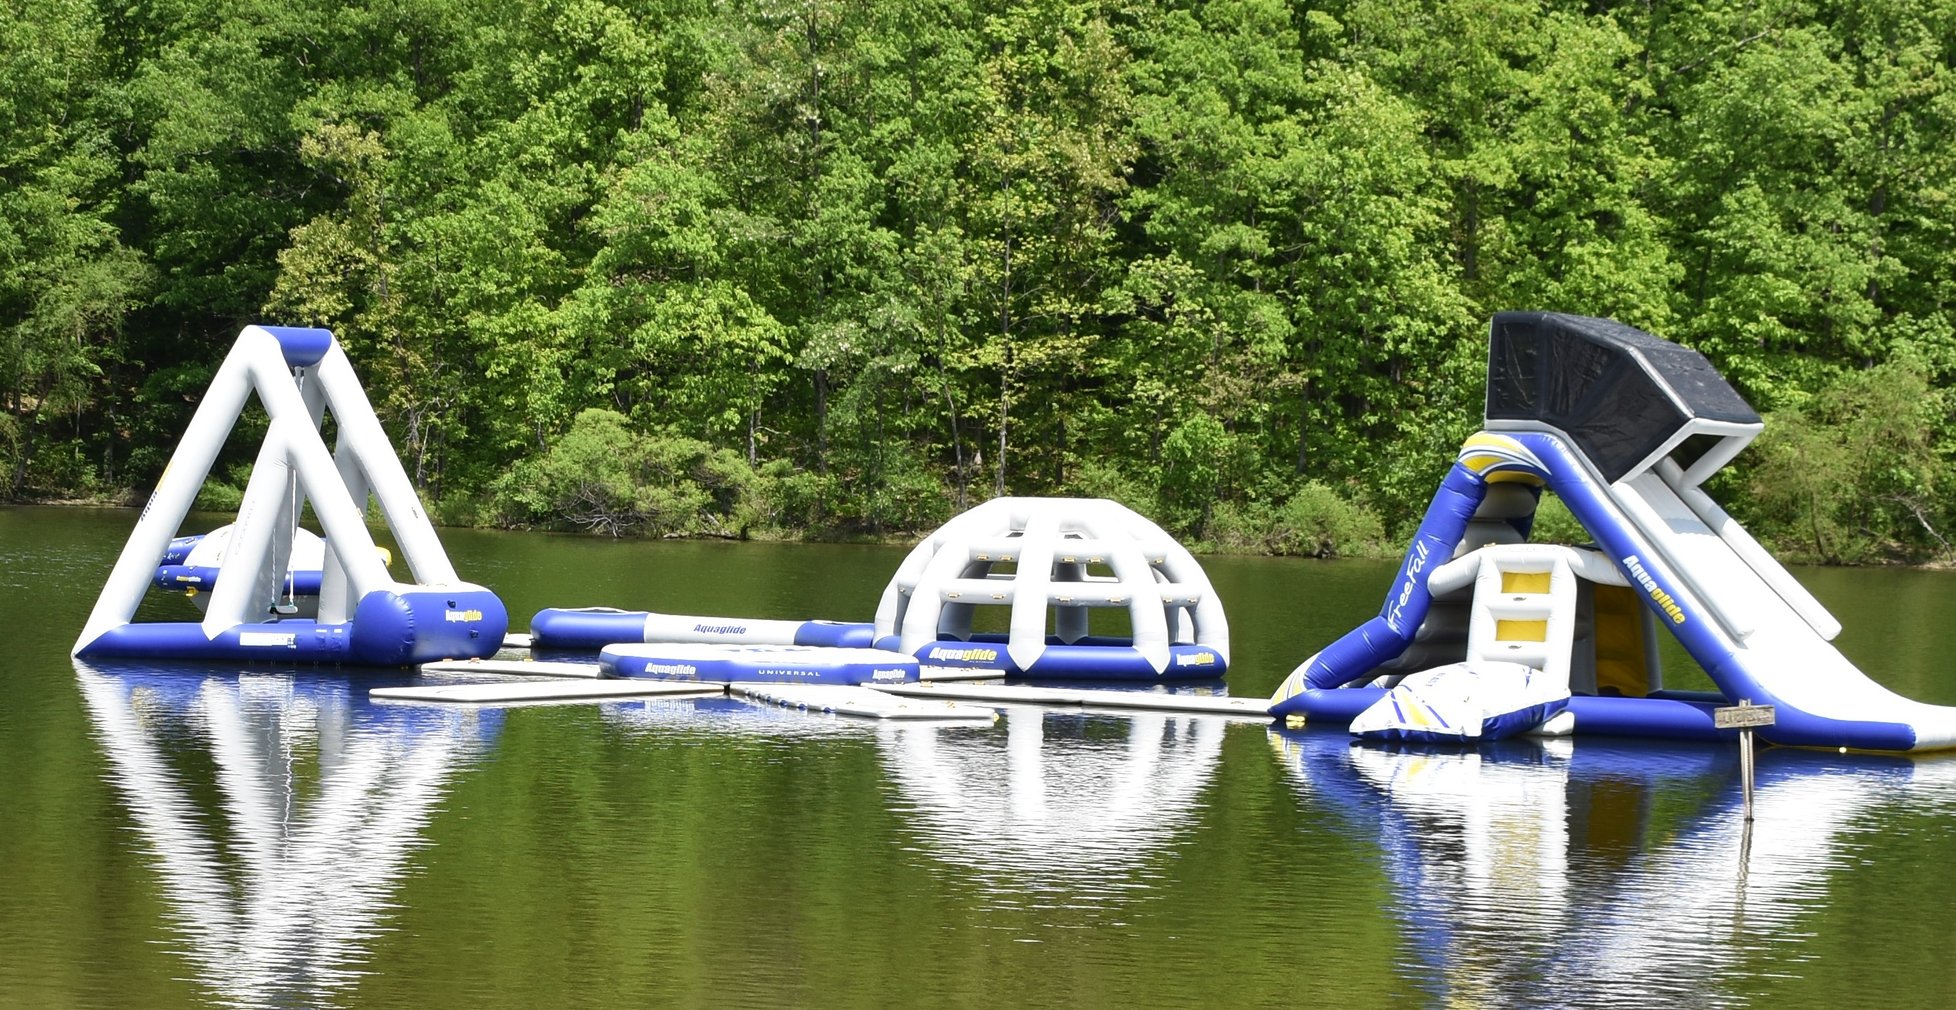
<point x="1619" y="392"/>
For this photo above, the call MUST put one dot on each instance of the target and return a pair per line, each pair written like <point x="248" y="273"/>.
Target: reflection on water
<point x="1566" y="873"/>
<point x="1061" y="807"/>
<point x="277" y="886"/>
<point x="1054" y="808"/>
<point x="736" y="716"/>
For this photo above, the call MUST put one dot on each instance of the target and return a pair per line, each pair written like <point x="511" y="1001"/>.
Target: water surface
<point x="186" y="836"/>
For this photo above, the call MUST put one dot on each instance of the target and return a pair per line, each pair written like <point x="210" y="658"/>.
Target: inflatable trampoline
<point x="191" y="565"/>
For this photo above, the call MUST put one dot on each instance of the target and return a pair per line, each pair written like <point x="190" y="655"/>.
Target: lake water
<point x="215" y="837"/>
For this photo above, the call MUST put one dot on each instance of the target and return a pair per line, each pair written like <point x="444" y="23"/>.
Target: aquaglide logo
<point x="1665" y="601"/>
<point x="973" y="655"/>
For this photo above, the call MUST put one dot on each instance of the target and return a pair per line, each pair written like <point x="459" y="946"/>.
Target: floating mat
<point x="862" y="701"/>
<point x="515" y="667"/>
<point x="929" y="672"/>
<point x="1018" y="694"/>
<point x="520" y="691"/>
<point x="786" y="664"/>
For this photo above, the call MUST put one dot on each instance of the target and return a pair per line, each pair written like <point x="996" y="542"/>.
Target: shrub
<point x="1097" y="478"/>
<point x="1315" y="521"/>
<point x="603" y="478"/>
<point x="1195" y="458"/>
<point x="788" y="497"/>
<point x="1318" y="522"/>
<point x="225" y="493"/>
<point x="1853" y="475"/>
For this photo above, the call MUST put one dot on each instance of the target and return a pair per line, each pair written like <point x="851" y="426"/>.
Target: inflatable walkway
<point x="363" y="616"/>
<point x="1624" y="427"/>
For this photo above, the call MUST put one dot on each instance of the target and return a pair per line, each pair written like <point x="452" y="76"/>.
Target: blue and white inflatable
<point x="1464" y="703"/>
<point x="1056" y="563"/>
<point x="360" y="614"/>
<point x="587" y="628"/>
<point x="1050" y="564"/>
<point x="776" y="664"/>
<point x="191" y="565"/>
<point x="1623" y="427"/>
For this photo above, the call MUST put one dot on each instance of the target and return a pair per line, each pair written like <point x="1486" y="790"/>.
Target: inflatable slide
<point x="1623" y="426"/>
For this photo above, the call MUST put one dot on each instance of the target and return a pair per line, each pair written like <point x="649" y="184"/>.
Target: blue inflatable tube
<point x="1378" y="640"/>
<point x="177" y="578"/>
<point x="593" y="628"/>
<point x="1331" y="705"/>
<point x="1086" y="659"/>
<point x="585" y="628"/>
<point x="1655" y="718"/>
<point x="180" y="547"/>
<point x="387" y="629"/>
<point x="780" y="664"/>
<point x="836" y="634"/>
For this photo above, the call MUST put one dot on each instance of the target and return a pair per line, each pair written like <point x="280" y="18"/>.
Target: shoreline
<point x="1202" y="550"/>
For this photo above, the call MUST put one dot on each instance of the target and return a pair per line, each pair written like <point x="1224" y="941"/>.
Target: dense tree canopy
<point x="846" y="266"/>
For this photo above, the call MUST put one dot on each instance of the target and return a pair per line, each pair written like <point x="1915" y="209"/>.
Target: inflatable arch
<point x="1623" y="426"/>
<point x="363" y="615"/>
<point x="1066" y="556"/>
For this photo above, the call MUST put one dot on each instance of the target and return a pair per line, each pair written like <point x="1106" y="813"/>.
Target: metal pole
<point x="1745" y="717"/>
<point x="1745" y="768"/>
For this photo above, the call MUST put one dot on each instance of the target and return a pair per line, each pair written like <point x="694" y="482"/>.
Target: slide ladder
<point x="1528" y="606"/>
<point x="1524" y="609"/>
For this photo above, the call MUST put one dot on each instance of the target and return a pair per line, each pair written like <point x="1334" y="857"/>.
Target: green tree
<point x="66" y="279"/>
<point x="1855" y="473"/>
<point x="1044" y="165"/>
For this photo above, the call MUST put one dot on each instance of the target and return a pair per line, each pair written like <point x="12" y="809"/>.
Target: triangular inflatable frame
<point x="299" y="375"/>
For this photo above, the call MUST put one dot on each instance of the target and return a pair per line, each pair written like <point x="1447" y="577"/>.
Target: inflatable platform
<point x="356" y="613"/>
<point x="777" y="664"/>
<point x="589" y="628"/>
<point x="1624" y="427"/>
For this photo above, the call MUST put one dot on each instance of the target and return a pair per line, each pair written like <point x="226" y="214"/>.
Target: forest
<point x="840" y="268"/>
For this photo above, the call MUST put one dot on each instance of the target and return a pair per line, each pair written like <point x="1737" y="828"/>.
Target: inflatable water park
<point x="1483" y="634"/>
